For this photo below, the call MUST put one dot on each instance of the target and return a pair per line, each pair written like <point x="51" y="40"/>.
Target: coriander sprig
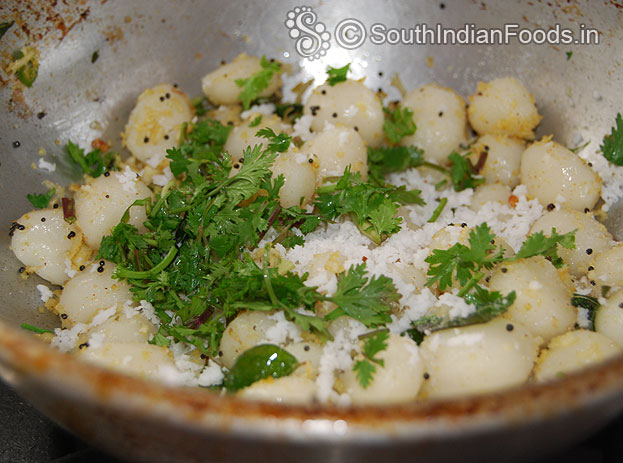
<point x="612" y="146"/>
<point x="195" y="263"/>
<point x="93" y="163"/>
<point x="488" y="304"/>
<point x="253" y="86"/>
<point x="398" y="124"/>
<point x="373" y="208"/>
<point x="466" y="264"/>
<point x="385" y="160"/>
<point x="337" y="75"/>
<point x="279" y="143"/>
<point x="462" y="173"/>
<point x="365" y="299"/>
<point x="366" y="368"/>
<point x="41" y="200"/>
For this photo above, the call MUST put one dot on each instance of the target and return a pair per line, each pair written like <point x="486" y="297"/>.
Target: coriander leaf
<point x="278" y="143"/>
<point x="375" y="344"/>
<point x="445" y="265"/>
<point x="612" y="146"/>
<point x="94" y="163"/>
<point x="310" y="223"/>
<point x="165" y="261"/>
<point x="259" y="362"/>
<point x="416" y="335"/>
<point x="481" y="244"/>
<point x="403" y="196"/>
<point x="41" y="201"/>
<point x="489" y="304"/>
<point x="337" y="75"/>
<point x="207" y="132"/>
<point x="462" y="173"/>
<point x="291" y="218"/>
<point x="591" y="304"/>
<point x="398" y="124"/>
<point x="291" y="241"/>
<point x="382" y="217"/>
<point x="4" y="27"/>
<point x="372" y="207"/>
<point x="569" y="55"/>
<point x="188" y="271"/>
<point x="538" y="244"/>
<point x="178" y="162"/>
<point x="289" y="112"/>
<point x="160" y="340"/>
<point x="206" y="337"/>
<point x="308" y="323"/>
<point x="265" y="288"/>
<point x="199" y="154"/>
<point x="25" y="65"/>
<point x="365" y="372"/>
<point x="199" y="105"/>
<point x="255" y="122"/>
<point x="463" y="263"/>
<point x="246" y="182"/>
<point x="28" y="73"/>
<point x="257" y="83"/>
<point x="385" y="160"/>
<point x="365" y="299"/>
<point x="372" y="346"/>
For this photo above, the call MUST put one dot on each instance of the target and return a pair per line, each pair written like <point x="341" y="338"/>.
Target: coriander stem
<point x="471" y="283"/>
<point x="178" y="302"/>
<point x="369" y="231"/>
<point x="166" y="191"/>
<point x="373" y="235"/>
<point x="326" y="189"/>
<point x="183" y="132"/>
<point x="267" y="283"/>
<point x="436" y="167"/>
<point x="35" y="329"/>
<point x="283" y="234"/>
<point x="179" y="210"/>
<point x="371" y="333"/>
<point x="269" y="223"/>
<point x="219" y="187"/>
<point x="203" y="217"/>
<point x="330" y="188"/>
<point x="440" y="185"/>
<point x="442" y="203"/>
<point x="135" y="275"/>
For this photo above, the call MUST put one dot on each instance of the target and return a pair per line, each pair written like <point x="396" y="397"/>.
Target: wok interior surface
<point x="142" y="43"/>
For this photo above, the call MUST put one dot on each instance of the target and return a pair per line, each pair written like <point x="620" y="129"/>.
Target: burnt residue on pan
<point x="38" y="20"/>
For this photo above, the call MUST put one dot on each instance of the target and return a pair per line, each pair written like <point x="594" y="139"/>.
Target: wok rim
<point x="26" y="361"/>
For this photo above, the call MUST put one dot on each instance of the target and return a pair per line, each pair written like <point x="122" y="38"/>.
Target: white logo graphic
<point x="312" y="37"/>
<point x="350" y="33"/>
